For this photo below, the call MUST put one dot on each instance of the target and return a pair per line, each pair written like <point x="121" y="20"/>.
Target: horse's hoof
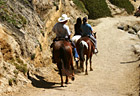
<point x="67" y="83"/>
<point x="62" y="85"/>
<point x="82" y="70"/>
<point x="91" y="69"/>
<point x="86" y="73"/>
<point x="72" y="78"/>
<point x="78" y="67"/>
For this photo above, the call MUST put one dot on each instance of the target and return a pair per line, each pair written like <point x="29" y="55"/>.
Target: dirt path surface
<point x="113" y="72"/>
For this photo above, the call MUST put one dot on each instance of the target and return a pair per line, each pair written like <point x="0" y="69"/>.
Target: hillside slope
<point x="25" y="28"/>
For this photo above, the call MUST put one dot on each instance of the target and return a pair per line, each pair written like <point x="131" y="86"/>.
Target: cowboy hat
<point x="63" y="18"/>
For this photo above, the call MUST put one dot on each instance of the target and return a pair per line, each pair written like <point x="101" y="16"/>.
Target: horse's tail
<point x="65" y="60"/>
<point x="82" y="45"/>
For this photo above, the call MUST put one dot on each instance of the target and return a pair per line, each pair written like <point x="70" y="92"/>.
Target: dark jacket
<point x="77" y="29"/>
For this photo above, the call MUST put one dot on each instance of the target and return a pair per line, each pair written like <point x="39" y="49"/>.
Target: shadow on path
<point x="41" y="83"/>
<point x="130" y="61"/>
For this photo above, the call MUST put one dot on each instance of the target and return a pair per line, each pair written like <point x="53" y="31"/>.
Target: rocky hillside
<point x="25" y="28"/>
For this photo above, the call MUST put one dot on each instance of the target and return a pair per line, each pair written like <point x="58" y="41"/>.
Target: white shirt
<point x="61" y="30"/>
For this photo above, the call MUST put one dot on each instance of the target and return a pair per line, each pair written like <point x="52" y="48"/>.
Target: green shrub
<point x="10" y="82"/>
<point x="2" y="2"/>
<point x="14" y="80"/>
<point x="15" y="72"/>
<point x="7" y="14"/>
<point x="97" y="8"/>
<point x="33" y="56"/>
<point x="21" y="68"/>
<point x="81" y="6"/>
<point x="19" y="60"/>
<point x="126" y="4"/>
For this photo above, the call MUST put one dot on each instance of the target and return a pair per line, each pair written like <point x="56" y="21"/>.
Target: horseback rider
<point x="62" y="32"/>
<point x="77" y="26"/>
<point x="87" y="31"/>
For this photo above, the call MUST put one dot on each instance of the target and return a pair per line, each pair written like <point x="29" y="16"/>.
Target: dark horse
<point x="62" y="52"/>
<point x="85" y="47"/>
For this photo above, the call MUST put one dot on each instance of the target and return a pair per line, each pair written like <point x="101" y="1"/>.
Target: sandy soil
<point x="115" y="70"/>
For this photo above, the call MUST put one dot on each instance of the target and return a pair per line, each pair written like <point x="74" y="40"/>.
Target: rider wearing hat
<point x="62" y="31"/>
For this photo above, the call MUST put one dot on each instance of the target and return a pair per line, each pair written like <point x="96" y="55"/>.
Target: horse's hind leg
<point x="61" y="78"/>
<point x="82" y="65"/>
<point x="72" y="70"/>
<point x="60" y="72"/>
<point x="67" y="80"/>
<point x="86" y="73"/>
<point x="91" y="63"/>
<point x="77" y="64"/>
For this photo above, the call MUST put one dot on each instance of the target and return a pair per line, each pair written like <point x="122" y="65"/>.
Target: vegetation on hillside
<point x="7" y="15"/>
<point x="126" y="4"/>
<point x="97" y="8"/>
<point x="81" y="6"/>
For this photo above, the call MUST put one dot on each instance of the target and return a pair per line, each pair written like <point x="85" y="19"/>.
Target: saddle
<point x="90" y="39"/>
<point x="58" y="39"/>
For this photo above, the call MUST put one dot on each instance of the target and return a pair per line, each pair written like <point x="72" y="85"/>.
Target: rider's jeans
<point x="75" y="53"/>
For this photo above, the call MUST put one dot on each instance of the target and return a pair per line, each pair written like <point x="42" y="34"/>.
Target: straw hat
<point x="63" y="18"/>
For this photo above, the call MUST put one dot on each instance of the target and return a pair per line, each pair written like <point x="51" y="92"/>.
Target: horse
<point x="85" y="47"/>
<point x="62" y="52"/>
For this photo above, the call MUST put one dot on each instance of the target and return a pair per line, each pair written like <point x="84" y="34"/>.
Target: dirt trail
<point x="113" y="75"/>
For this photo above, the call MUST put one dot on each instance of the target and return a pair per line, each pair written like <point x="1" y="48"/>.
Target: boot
<point x="95" y="50"/>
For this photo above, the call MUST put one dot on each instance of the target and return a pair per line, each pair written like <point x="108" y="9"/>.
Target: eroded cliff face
<point x="25" y="37"/>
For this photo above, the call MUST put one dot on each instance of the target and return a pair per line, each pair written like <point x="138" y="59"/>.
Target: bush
<point x="97" y="8"/>
<point x="33" y="56"/>
<point x="126" y="4"/>
<point x="21" y="68"/>
<point x="81" y="6"/>
<point x="7" y="14"/>
<point x="10" y="81"/>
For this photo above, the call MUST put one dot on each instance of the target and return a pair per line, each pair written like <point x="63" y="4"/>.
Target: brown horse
<point x="85" y="47"/>
<point x="62" y="52"/>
